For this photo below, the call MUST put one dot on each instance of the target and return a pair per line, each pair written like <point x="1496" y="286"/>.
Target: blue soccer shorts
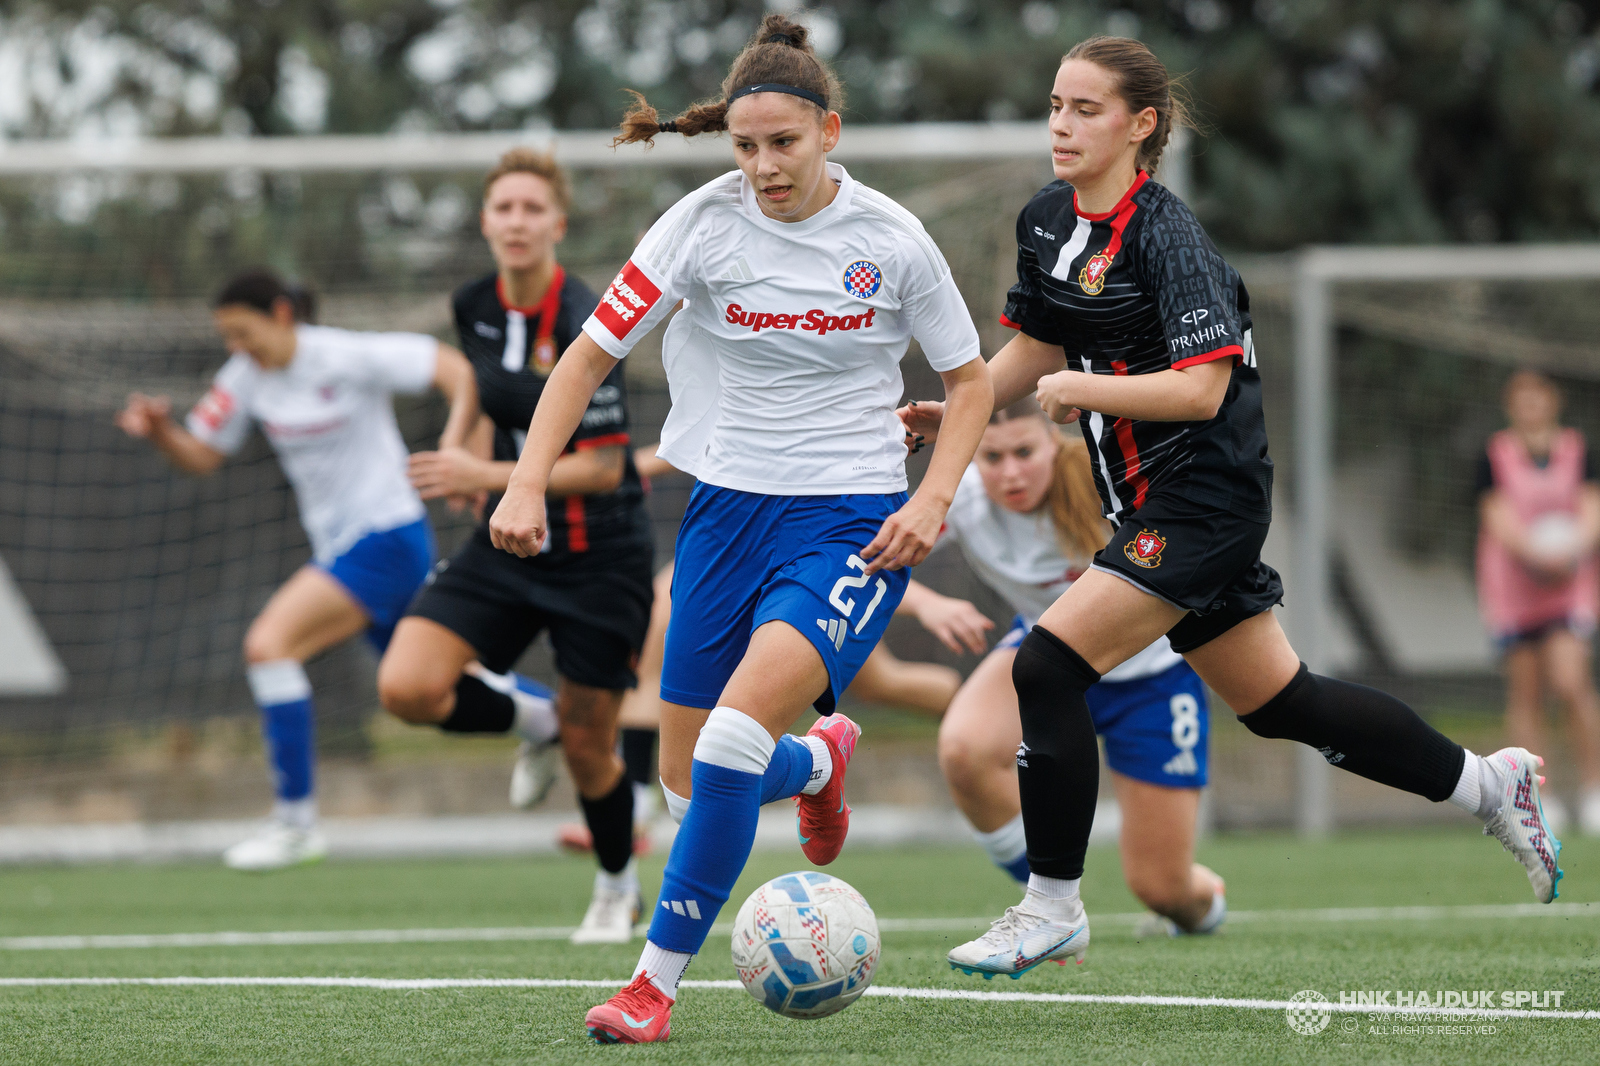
<point x="383" y="572"/>
<point x="1156" y="728"/>
<point x="745" y="559"/>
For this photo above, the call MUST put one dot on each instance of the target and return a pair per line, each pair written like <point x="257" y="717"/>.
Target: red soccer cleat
<point x="825" y="817"/>
<point x="639" y="1014"/>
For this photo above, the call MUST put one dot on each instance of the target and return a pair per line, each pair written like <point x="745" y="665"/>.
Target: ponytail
<point x="779" y="54"/>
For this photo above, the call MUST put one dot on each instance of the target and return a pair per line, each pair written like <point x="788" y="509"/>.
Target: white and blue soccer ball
<point x="806" y="945"/>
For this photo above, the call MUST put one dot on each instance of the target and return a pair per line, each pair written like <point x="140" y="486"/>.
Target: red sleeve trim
<point x="610" y="440"/>
<point x="1216" y="353"/>
<point x="1006" y="322"/>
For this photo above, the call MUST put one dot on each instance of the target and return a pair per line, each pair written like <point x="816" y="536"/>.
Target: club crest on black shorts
<point x="1145" y="549"/>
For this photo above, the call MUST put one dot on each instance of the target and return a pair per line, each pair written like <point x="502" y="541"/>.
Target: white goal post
<point x="1317" y="271"/>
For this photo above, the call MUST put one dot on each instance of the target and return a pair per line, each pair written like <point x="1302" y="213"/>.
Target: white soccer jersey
<point x="329" y="417"/>
<point x="784" y="364"/>
<point x="1019" y="557"/>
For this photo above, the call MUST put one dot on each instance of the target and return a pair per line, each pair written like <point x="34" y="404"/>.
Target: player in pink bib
<point x="1539" y="574"/>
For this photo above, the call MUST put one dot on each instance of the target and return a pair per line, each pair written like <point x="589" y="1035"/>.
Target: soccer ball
<point x="805" y="945"/>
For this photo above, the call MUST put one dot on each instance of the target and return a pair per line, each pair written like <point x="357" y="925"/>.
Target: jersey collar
<point x="1138" y="183"/>
<point x="841" y="203"/>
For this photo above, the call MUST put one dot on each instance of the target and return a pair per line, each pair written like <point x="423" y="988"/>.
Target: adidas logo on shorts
<point x="836" y="628"/>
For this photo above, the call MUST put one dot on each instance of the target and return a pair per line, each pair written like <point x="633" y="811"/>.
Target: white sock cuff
<point x="821" y="765"/>
<point x="1053" y="887"/>
<point x="624" y="880"/>
<point x="677" y="806"/>
<point x="734" y="740"/>
<point x="297" y="814"/>
<point x="280" y="681"/>
<point x="664" y="967"/>
<point x="1468" y="794"/>
<point x="1006" y="844"/>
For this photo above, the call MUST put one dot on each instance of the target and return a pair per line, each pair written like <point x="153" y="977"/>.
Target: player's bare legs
<point x="1158" y="835"/>
<point x="1567" y="665"/>
<point x="978" y="742"/>
<point x="310" y="613"/>
<point x="417" y="677"/>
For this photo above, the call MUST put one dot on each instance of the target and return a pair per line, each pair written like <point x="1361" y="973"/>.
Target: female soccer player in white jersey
<point x="1127" y="313"/>
<point x="1027" y="519"/>
<point x="322" y="397"/>
<point x="802" y="291"/>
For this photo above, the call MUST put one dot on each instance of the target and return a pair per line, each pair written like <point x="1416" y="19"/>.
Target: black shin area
<point x="610" y="821"/>
<point x="1362" y="730"/>
<point x="1058" y="765"/>
<point x="638" y="749"/>
<point x="479" y="709"/>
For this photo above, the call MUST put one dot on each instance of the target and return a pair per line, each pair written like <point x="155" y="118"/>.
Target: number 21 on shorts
<point x="846" y="605"/>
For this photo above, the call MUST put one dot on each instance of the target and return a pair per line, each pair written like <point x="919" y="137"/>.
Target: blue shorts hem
<point x="688" y="699"/>
<point x="382" y="572"/>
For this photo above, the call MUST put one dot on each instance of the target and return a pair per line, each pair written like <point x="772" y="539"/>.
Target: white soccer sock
<point x="821" y="765"/>
<point x="677" y="806"/>
<point x="1478" y="791"/>
<point x="1055" y="897"/>
<point x="1214" y="916"/>
<point x="1006" y="844"/>
<point x="646" y="804"/>
<point x="624" y="880"/>
<point x="664" y="967"/>
<point x="296" y="814"/>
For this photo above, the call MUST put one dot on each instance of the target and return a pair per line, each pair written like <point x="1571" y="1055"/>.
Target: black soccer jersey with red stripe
<point x="1139" y="290"/>
<point x="503" y="344"/>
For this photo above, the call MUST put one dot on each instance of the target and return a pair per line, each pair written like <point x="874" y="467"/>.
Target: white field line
<point x="428" y="983"/>
<point x="887" y="925"/>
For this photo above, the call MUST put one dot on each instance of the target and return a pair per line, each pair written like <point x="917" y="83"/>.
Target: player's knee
<point x="959" y="760"/>
<point x="262" y="645"/>
<point x="1162" y="890"/>
<point x="412" y="695"/>
<point x="590" y="755"/>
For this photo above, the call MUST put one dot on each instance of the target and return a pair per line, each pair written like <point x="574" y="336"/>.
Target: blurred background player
<point x="322" y="397"/>
<point x="1027" y="518"/>
<point x="1539" y="579"/>
<point x="588" y="585"/>
<point x="784" y="370"/>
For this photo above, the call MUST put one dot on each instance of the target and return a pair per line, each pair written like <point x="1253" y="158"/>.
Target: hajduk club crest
<point x="1092" y="277"/>
<point x="1145" y="549"/>
<point x="863" y="279"/>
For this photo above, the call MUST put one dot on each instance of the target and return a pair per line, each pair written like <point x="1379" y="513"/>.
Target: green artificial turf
<point x="1269" y="957"/>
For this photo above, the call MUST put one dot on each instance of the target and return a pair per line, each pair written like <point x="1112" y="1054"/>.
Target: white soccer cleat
<point x="278" y="848"/>
<point x="533" y="773"/>
<point x="1520" y="824"/>
<point x="610" y="917"/>
<point x="1020" y="940"/>
<point x="1159" y="925"/>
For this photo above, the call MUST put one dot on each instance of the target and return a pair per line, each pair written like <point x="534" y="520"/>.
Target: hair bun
<point x="783" y="38"/>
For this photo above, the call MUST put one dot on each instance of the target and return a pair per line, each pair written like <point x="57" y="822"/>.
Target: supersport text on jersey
<point x="784" y="362"/>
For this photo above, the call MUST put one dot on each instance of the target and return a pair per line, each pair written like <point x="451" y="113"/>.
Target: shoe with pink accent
<point x="639" y="1014"/>
<point x="825" y="817"/>
<point x="1520" y="823"/>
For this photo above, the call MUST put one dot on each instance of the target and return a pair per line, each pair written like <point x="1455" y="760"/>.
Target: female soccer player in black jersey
<point x="1126" y="313"/>
<point x="589" y="587"/>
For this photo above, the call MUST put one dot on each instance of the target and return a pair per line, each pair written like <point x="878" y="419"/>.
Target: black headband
<point x="774" y="87"/>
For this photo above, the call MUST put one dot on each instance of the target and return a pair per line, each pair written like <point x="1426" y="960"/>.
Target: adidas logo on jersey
<point x="740" y="271"/>
<point x="836" y="628"/>
<point x="1182" y="763"/>
<point x="815" y="320"/>
<point x="686" y="907"/>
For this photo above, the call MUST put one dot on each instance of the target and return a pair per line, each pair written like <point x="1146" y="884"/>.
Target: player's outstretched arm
<point x="150" y="418"/>
<point x="1014" y="372"/>
<point x="519" y="524"/>
<point x="908" y="535"/>
<point x="959" y="625"/>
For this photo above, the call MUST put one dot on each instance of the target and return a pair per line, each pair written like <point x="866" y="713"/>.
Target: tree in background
<point x="1395" y="121"/>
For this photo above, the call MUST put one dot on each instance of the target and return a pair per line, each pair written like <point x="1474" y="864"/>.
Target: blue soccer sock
<point x="732" y="754"/>
<point x="283" y="692"/>
<point x="1007" y="847"/>
<point x="792" y="767"/>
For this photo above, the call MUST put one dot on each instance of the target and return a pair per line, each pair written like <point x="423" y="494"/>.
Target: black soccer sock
<point x="1058" y="765"/>
<point x="638" y="749"/>
<point x="1362" y="730"/>
<point x="479" y="709"/>
<point x="610" y="821"/>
